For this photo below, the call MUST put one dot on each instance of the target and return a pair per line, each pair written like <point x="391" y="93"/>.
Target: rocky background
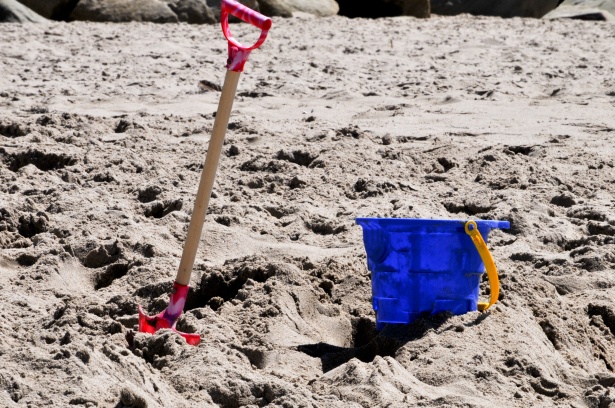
<point x="207" y="11"/>
<point x="103" y="132"/>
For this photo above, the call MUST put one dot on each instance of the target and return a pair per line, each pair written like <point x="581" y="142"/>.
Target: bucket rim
<point x="431" y="222"/>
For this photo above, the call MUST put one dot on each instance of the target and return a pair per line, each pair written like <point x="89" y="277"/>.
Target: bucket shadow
<point x="369" y="343"/>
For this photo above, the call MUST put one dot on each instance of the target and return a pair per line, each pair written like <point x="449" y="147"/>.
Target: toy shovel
<point x="238" y="55"/>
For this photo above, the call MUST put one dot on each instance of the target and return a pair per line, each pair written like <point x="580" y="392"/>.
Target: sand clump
<point x="103" y="132"/>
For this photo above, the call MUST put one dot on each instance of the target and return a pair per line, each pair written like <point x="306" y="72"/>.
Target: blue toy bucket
<point x="420" y="265"/>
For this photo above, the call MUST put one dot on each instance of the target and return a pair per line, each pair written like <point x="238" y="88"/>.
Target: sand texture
<point x="103" y="133"/>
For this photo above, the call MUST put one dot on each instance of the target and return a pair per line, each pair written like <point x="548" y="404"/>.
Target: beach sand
<point x="104" y="129"/>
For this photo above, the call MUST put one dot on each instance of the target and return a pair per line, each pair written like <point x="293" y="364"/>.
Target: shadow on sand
<point x="369" y="343"/>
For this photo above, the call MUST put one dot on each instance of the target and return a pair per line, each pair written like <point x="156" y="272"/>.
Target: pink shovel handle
<point x="238" y="53"/>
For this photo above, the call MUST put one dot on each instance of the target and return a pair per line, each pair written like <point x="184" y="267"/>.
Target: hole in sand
<point x="159" y="209"/>
<point x="149" y="193"/>
<point x="551" y="333"/>
<point x="113" y="272"/>
<point x="43" y="161"/>
<point x="470" y="208"/>
<point x="101" y="255"/>
<point x="26" y="259"/>
<point x="217" y="287"/>
<point x="13" y="130"/>
<point x="522" y="150"/>
<point x="300" y="157"/>
<point x="367" y="342"/>
<point x="606" y="313"/>
<point x="30" y="225"/>
<point x="366" y="345"/>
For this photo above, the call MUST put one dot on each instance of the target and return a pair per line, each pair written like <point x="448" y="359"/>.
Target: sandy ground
<point x="104" y="129"/>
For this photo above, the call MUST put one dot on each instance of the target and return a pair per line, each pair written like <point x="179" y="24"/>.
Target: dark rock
<point x="192" y="11"/>
<point x="384" y="8"/>
<point x="505" y="8"/>
<point x="275" y="8"/>
<point x="584" y="10"/>
<point x="12" y="11"/>
<point x="321" y="8"/>
<point x="118" y="11"/>
<point x="214" y="5"/>
<point x="52" y="9"/>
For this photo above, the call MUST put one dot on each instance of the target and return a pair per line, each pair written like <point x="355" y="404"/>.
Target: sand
<point x="104" y="129"/>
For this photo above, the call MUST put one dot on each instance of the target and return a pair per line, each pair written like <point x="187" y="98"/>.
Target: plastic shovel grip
<point x="492" y="272"/>
<point x="239" y="53"/>
<point x="246" y="14"/>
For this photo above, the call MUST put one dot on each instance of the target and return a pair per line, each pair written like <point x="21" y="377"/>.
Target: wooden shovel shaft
<point x="207" y="177"/>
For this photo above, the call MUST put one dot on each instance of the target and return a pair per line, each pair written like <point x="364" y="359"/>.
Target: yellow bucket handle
<point x="492" y="272"/>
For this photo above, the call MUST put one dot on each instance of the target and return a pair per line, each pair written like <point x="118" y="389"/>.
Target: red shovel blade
<point x="151" y="324"/>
